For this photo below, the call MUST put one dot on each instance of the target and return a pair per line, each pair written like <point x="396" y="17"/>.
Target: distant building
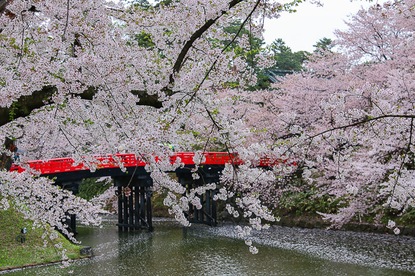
<point x="274" y="75"/>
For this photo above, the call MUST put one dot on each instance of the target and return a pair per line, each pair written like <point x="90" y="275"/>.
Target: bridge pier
<point x="208" y="174"/>
<point x="71" y="220"/>
<point x="134" y="192"/>
<point x="134" y="202"/>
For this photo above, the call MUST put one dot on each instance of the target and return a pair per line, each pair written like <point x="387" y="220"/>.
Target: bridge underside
<point x="134" y="192"/>
<point x="134" y="202"/>
<point x="207" y="175"/>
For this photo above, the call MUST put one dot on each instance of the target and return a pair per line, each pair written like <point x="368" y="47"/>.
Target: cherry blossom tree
<point x="93" y="77"/>
<point x="350" y="114"/>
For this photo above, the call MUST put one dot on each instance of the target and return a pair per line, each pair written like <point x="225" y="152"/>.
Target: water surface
<point x="203" y="250"/>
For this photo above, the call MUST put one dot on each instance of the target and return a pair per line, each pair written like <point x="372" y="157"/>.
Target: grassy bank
<point x="18" y="250"/>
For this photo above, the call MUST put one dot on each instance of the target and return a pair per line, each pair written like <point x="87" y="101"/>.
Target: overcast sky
<point x="301" y="30"/>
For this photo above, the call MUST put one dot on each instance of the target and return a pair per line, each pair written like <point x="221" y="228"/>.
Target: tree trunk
<point x="6" y="160"/>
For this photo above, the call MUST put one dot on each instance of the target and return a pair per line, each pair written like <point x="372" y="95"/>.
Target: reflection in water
<point x="203" y="250"/>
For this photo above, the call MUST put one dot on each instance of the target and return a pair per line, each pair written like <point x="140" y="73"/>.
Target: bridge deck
<point x="128" y="160"/>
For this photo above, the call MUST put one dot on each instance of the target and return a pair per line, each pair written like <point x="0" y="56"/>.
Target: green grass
<point x="14" y="253"/>
<point x="91" y="187"/>
<point x="159" y="209"/>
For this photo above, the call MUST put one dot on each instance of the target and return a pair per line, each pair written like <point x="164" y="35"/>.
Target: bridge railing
<point x="67" y="164"/>
<point x="51" y="166"/>
<point x="210" y="158"/>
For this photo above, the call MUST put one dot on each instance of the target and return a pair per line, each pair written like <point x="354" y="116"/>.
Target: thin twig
<point x="66" y="22"/>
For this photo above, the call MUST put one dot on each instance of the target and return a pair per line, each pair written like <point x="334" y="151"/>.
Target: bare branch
<point x="188" y="45"/>
<point x="3" y="4"/>
<point x="26" y="104"/>
<point x="408" y="149"/>
<point x="403" y="116"/>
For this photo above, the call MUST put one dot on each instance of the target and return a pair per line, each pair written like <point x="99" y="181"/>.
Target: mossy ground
<point x="15" y="253"/>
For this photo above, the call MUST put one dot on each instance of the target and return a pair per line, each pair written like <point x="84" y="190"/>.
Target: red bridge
<point x="134" y="184"/>
<point x="128" y="160"/>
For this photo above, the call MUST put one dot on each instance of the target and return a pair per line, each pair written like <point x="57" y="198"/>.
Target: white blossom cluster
<point x="46" y="205"/>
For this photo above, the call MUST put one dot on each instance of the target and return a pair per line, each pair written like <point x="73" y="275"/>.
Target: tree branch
<point x="196" y="35"/>
<point x="3" y="4"/>
<point x="403" y="116"/>
<point x="310" y="138"/>
<point x="26" y="104"/>
<point x="398" y="175"/>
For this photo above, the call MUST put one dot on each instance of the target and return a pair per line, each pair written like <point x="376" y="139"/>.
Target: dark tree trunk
<point x="6" y="160"/>
<point x="26" y="104"/>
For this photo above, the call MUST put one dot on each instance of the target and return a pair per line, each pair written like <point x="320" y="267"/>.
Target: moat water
<point x="203" y="250"/>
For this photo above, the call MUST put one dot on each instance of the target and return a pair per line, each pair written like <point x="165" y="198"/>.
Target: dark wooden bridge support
<point x="208" y="213"/>
<point x="134" y="202"/>
<point x="71" y="220"/>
